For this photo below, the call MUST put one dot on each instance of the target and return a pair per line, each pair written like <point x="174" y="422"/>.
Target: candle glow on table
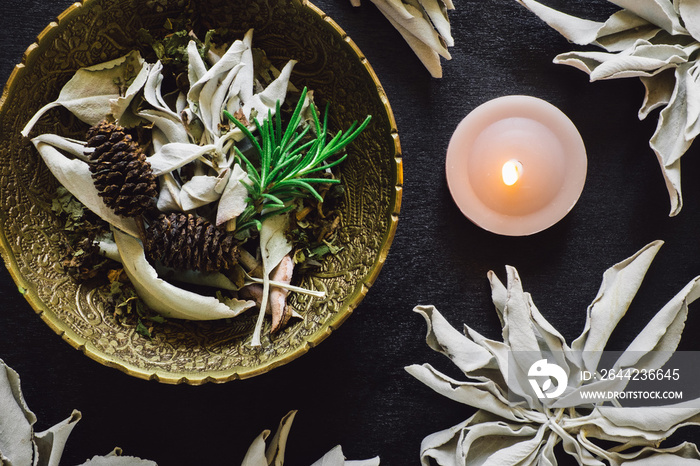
<point x="516" y="165"/>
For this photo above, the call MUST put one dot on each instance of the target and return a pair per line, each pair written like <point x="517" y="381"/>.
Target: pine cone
<point x="120" y="170"/>
<point x="187" y="242"/>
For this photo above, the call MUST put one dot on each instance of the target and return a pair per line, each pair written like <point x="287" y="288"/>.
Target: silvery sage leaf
<point x="643" y="59"/>
<point x="661" y="420"/>
<point x="199" y="191"/>
<point x="689" y="10"/>
<point x="169" y="196"/>
<point x="152" y="91"/>
<point x="242" y="87"/>
<point x="75" y="176"/>
<point x="660" y="337"/>
<point x="51" y="442"/>
<point x="208" y="94"/>
<point x="120" y="106"/>
<point x="676" y="130"/>
<point x="16" y="444"/>
<point x="658" y="90"/>
<point x="481" y="395"/>
<point x="217" y="280"/>
<point x="437" y="12"/>
<point x="335" y="457"/>
<point x="618" y="33"/>
<point x="234" y="198"/>
<point x="176" y="155"/>
<point x="266" y="101"/>
<point x="577" y="30"/>
<point x="172" y="129"/>
<point x="664" y="459"/>
<point x="274" y="245"/>
<point x="115" y="460"/>
<point x="442" y="337"/>
<point x="255" y="456"/>
<point x="195" y="64"/>
<point x="159" y="295"/>
<point x="659" y="12"/>
<point x="275" y="451"/>
<point x="73" y="147"/>
<point x="620" y="284"/>
<point x="273" y="455"/>
<point x="89" y="92"/>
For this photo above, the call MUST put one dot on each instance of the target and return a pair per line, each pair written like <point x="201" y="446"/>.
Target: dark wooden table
<point x="352" y="389"/>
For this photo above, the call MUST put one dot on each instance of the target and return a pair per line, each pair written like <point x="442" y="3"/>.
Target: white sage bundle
<point x="424" y="25"/>
<point x="514" y="425"/>
<point x="657" y="42"/>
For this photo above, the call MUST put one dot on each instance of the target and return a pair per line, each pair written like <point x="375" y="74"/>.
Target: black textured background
<point x="352" y="389"/>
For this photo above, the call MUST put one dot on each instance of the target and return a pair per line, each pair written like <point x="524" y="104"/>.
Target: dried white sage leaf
<point x="89" y="92"/>
<point x="195" y="65"/>
<point x="437" y="13"/>
<point x="199" y="191"/>
<point x="266" y="100"/>
<point x="658" y="91"/>
<point x="172" y="129"/>
<point x="16" y="441"/>
<point x="417" y="29"/>
<point x="234" y="198"/>
<point x="273" y="455"/>
<point x="689" y="10"/>
<point x="169" y="196"/>
<point x="620" y="284"/>
<point x="242" y="88"/>
<point x="113" y="460"/>
<point x="663" y="460"/>
<point x="162" y="297"/>
<point x="176" y="155"/>
<point x="75" y="176"/>
<point x="671" y="139"/>
<point x="152" y="91"/>
<point x="51" y="442"/>
<point x="120" y="106"/>
<point x="659" y="12"/>
<point x="275" y="451"/>
<point x="274" y="245"/>
<point x="256" y="453"/>
<point x="426" y="54"/>
<point x="71" y="146"/>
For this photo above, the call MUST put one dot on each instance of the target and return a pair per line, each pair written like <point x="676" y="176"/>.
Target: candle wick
<point x="511" y="172"/>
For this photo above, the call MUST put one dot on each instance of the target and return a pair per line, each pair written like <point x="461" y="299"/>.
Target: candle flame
<point x="511" y="172"/>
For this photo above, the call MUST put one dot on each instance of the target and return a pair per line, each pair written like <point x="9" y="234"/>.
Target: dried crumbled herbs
<point x="81" y="256"/>
<point x="128" y="308"/>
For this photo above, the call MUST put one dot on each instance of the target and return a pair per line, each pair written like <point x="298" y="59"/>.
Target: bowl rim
<point x="29" y="291"/>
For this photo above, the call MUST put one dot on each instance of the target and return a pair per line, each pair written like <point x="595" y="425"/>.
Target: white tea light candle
<point x="516" y="165"/>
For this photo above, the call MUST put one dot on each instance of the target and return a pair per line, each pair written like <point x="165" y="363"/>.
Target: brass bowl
<point x="183" y="351"/>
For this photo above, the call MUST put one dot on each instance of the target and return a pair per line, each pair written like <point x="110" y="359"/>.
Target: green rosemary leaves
<point x="289" y="161"/>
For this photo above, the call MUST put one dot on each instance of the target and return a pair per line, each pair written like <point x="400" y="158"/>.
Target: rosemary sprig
<point x="287" y="159"/>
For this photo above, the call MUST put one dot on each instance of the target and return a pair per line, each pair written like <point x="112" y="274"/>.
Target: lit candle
<point x="516" y="165"/>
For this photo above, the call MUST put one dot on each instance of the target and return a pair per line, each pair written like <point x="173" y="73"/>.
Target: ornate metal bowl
<point x="182" y="351"/>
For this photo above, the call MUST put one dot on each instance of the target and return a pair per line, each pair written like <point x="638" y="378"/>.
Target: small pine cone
<point x="187" y="242"/>
<point x="120" y="170"/>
